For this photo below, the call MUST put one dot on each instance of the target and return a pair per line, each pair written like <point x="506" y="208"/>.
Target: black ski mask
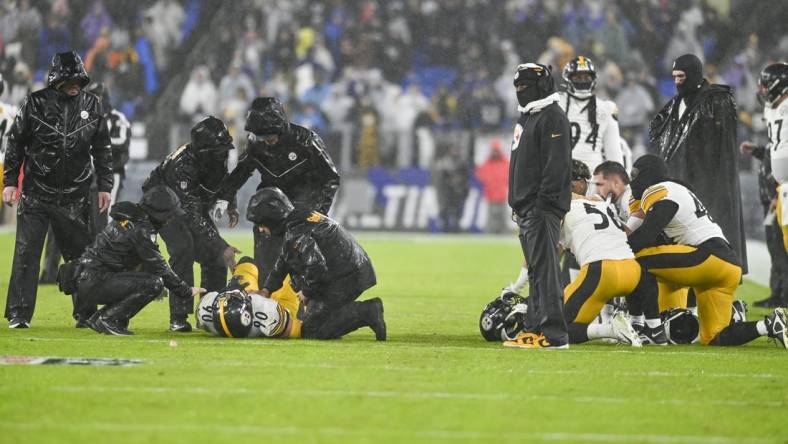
<point x="647" y="171"/>
<point x="693" y="68"/>
<point x="538" y="80"/>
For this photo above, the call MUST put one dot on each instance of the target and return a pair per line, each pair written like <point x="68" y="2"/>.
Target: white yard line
<point x="424" y="434"/>
<point x="409" y="395"/>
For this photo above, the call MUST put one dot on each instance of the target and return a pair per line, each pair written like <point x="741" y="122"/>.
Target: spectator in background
<point x="310" y="117"/>
<point x="199" y="98"/>
<point x="367" y="120"/>
<point x="337" y="107"/>
<point x="54" y="38"/>
<point x="494" y="177"/>
<point x="450" y="177"/>
<point x="232" y="81"/>
<point x="635" y="106"/>
<point x="25" y="22"/>
<point x="408" y="106"/>
<point x="92" y="24"/>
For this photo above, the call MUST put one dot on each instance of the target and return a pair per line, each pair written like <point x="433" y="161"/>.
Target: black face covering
<point x="529" y="95"/>
<point x="647" y="171"/>
<point x="693" y="68"/>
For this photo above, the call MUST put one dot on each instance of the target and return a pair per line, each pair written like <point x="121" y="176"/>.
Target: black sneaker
<point x="376" y="321"/>
<point x="18" y="323"/>
<point x="111" y="327"/>
<point x="180" y="326"/>
<point x="776" y="326"/>
<point x="739" y="311"/>
<point x="93" y="323"/>
<point x="653" y="336"/>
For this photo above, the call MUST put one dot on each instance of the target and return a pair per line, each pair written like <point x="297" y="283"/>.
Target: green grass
<point x="435" y="380"/>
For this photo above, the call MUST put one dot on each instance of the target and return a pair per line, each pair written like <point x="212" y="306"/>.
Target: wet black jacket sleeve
<point x="189" y="191"/>
<point x="323" y="168"/>
<point x="101" y="152"/>
<point x="153" y="262"/>
<point x="658" y="217"/>
<point x="18" y="140"/>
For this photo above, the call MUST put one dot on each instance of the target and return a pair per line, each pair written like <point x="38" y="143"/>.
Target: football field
<point x="434" y="381"/>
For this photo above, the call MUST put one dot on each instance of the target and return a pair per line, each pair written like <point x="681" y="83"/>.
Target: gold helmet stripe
<point x="222" y="303"/>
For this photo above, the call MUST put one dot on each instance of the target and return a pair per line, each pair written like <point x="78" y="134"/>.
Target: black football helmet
<point x="681" y="326"/>
<point x="232" y="314"/>
<point x="503" y="318"/>
<point x="773" y="82"/>
<point x="580" y="65"/>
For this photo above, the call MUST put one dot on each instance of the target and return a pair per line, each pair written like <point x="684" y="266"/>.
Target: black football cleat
<point x="111" y="327"/>
<point x="376" y="321"/>
<point x="180" y="326"/>
<point x="653" y="336"/>
<point x="739" y="311"/>
<point x="776" y="325"/>
<point x="18" y="323"/>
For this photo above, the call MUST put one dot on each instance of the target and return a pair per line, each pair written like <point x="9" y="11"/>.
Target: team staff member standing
<point x="289" y="157"/>
<point x="695" y="133"/>
<point x="194" y="171"/>
<point x="59" y="135"/>
<point x="539" y="194"/>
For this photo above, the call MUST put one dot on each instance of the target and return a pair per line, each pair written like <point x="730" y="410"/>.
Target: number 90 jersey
<point x="269" y="319"/>
<point x="692" y="224"/>
<point x="593" y="232"/>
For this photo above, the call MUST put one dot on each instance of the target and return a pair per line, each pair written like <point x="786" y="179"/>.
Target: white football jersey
<point x="626" y="155"/>
<point x="777" y="128"/>
<point x="593" y="232"/>
<point x="592" y="145"/>
<point x="692" y="224"/>
<point x="7" y="114"/>
<point x="269" y="319"/>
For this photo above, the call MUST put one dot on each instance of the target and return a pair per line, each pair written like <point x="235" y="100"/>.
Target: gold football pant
<point x="678" y="267"/>
<point x="597" y="283"/>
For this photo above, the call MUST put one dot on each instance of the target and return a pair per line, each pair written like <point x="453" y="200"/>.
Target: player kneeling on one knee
<point x="104" y="273"/>
<point x="329" y="270"/>
<point x="700" y="257"/>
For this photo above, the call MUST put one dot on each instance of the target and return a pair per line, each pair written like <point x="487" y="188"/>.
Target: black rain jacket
<point x="323" y="260"/>
<point x="298" y="165"/>
<point x="129" y="241"/>
<point x="196" y="186"/>
<point x="59" y="139"/>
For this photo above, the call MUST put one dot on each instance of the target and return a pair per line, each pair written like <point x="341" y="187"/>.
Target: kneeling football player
<point x="592" y="231"/>
<point x="700" y="258"/>
<point x="328" y="268"/>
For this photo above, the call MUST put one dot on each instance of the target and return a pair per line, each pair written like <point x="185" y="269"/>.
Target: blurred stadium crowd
<point x="393" y="84"/>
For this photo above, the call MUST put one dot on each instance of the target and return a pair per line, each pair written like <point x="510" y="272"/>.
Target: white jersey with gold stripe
<point x="777" y="129"/>
<point x="269" y="319"/>
<point x="593" y="232"/>
<point x="692" y="224"/>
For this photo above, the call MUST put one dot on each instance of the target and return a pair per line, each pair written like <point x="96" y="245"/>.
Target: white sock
<point x="653" y="323"/>
<point x="596" y="331"/>
<point x="522" y="280"/>
<point x="761" y="327"/>
<point x="639" y="320"/>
